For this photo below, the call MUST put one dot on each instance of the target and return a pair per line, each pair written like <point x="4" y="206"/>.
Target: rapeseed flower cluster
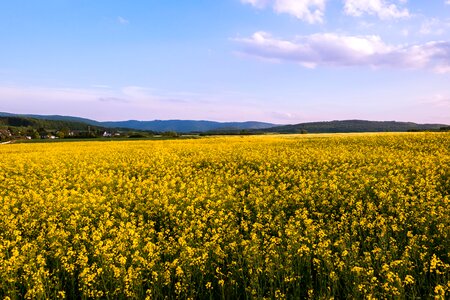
<point x="315" y="216"/>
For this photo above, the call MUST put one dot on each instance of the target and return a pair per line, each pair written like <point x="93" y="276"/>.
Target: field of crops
<point x="311" y="216"/>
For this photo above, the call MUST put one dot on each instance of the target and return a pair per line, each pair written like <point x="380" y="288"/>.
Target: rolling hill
<point x="54" y="118"/>
<point x="195" y="126"/>
<point x="19" y="121"/>
<point x="187" y="126"/>
<point x="180" y="126"/>
<point x="351" y="126"/>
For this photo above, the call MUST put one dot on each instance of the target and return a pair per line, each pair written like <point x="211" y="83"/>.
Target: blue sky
<point x="281" y="61"/>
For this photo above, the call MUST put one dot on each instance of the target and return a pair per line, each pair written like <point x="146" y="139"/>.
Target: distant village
<point x="23" y="133"/>
<point x="13" y="133"/>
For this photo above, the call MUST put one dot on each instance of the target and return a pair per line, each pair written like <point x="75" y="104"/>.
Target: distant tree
<point x="170" y="134"/>
<point x="135" y="135"/>
<point x="15" y="131"/>
<point x="18" y="121"/>
<point x="42" y="131"/>
<point x="33" y="133"/>
<point x="65" y="131"/>
<point x="5" y="135"/>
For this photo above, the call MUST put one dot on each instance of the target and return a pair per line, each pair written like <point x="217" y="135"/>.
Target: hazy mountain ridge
<point x="352" y="126"/>
<point x="181" y="126"/>
<point x="203" y="126"/>
<point x="54" y="118"/>
<point x="187" y="126"/>
<point x="50" y="124"/>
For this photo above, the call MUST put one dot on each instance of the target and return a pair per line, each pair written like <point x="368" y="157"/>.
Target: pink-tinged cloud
<point x="329" y="49"/>
<point x="311" y="11"/>
<point x="381" y="8"/>
<point x="434" y="26"/>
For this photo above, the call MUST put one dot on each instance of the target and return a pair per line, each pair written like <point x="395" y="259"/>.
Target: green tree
<point x="170" y="134"/>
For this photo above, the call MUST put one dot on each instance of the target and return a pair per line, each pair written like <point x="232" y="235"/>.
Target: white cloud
<point x="442" y="69"/>
<point x="331" y="49"/>
<point x="256" y="3"/>
<point x="122" y="20"/>
<point x="447" y="2"/>
<point x="380" y="8"/>
<point x="101" y="86"/>
<point x="405" y="32"/>
<point x="434" y="26"/>
<point x="310" y="11"/>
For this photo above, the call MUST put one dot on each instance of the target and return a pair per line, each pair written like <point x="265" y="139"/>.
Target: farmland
<point x="310" y="216"/>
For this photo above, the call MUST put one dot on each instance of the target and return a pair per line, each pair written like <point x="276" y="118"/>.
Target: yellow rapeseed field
<point x="311" y="216"/>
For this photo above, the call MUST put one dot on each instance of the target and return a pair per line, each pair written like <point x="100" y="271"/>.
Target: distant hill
<point x="211" y="127"/>
<point x="186" y="126"/>
<point x="54" y="118"/>
<point x="352" y="126"/>
<point x="180" y="126"/>
<point x="19" y="121"/>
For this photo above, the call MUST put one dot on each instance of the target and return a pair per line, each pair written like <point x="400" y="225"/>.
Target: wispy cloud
<point x="122" y="20"/>
<point x="129" y="102"/>
<point x="329" y="49"/>
<point x="310" y="11"/>
<point x="380" y="8"/>
<point x="434" y="26"/>
<point x="134" y="102"/>
<point x="101" y="86"/>
<point x="112" y="99"/>
<point x="287" y="117"/>
<point x="439" y="100"/>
